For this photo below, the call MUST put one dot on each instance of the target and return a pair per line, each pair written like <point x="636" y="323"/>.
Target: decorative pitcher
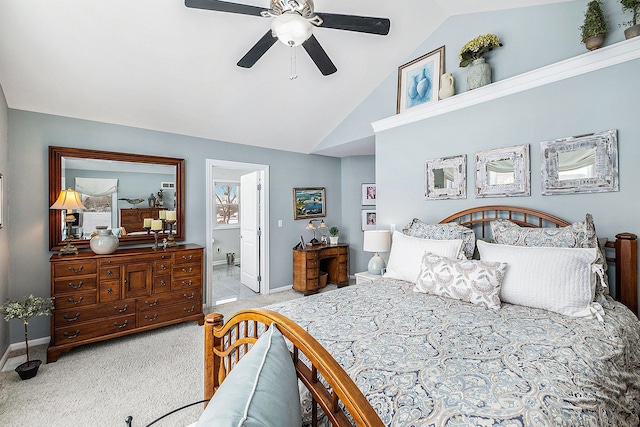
<point x="103" y="241"/>
<point x="446" y="86"/>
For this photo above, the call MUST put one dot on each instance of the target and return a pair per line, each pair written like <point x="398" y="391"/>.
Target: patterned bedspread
<point x="424" y="360"/>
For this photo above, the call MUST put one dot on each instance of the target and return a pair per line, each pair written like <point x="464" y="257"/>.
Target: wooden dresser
<point x="309" y="262"/>
<point x="132" y="219"/>
<point x="99" y="297"/>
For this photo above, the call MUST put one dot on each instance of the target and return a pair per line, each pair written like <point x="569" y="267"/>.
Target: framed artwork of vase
<point x="419" y="80"/>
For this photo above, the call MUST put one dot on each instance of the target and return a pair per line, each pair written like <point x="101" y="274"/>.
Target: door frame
<point x="211" y="164"/>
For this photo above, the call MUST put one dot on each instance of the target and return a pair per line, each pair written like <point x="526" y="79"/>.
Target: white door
<point x="250" y="230"/>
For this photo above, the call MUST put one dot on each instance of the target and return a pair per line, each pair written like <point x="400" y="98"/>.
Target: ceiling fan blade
<point x="319" y="56"/>
<point x="256" y="52"/>
<point x="225" y="6"/>
<point x="361" y="24"/>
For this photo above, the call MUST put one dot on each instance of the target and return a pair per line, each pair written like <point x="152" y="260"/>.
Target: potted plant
<point x="595" y="26"/>
<point x="334" y="234"/>
<point x="24" y="310"/>
<point x="160" y="195"/>
<point x="472" y="55"/>
<point x="634" y="27"/>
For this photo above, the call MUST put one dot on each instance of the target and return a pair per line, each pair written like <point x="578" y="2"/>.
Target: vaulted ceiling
<point x="156" y="64"/>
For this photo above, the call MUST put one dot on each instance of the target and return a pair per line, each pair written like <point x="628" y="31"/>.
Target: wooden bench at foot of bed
<point x="226" y="343"/>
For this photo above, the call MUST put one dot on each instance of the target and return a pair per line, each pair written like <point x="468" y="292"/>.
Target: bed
<point x="385" y="354"/>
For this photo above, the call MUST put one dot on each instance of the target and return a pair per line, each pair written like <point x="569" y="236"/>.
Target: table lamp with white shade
<point x="377" y="241"/>
<point x="68" y="200"/>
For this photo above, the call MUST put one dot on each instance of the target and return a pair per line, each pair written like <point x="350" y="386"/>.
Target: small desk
<point x="308" y="262"/>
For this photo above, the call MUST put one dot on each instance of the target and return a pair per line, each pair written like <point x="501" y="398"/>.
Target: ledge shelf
<point x="608" y="56"/>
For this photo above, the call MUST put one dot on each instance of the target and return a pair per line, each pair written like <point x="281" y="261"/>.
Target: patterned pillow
<point x="451" y="231"/>
<point x="577" y="235"/>
<point x="473" y="281"/>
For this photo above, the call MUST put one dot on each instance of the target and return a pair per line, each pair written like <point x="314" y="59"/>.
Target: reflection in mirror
<point x="503" y="172"/>
<point x="500" y="172"/>
<point x="118" y="190"/>
<point x="580" y="164"/>
<point x="446" y="178"/>
<point x="443" y="178"/>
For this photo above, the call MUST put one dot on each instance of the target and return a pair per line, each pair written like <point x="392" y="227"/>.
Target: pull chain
<point x="294" y="74"/>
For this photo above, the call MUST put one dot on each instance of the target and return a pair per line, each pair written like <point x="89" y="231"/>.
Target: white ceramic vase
<point x="103" y="241"/>
<point x="478" y="74"/>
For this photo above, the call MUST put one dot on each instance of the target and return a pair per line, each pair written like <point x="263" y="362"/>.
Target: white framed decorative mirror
<point x="503" y="172"/>
<point x="580" y="164"/>
<point x="446" y="178"/>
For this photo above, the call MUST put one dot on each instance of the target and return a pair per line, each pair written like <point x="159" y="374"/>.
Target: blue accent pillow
<point x="261" y="390"/>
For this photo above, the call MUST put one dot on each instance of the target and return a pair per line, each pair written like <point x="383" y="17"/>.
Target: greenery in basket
<point x="595" y="23"/>
<point x="633" y="6"/>
<point x="160" y="195"/>
<point x="476" y="48"/>
<point x="334" y="231"/>
<point x="24" y="310"/>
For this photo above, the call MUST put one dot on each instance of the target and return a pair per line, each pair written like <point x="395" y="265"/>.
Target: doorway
<point x="250" y="264"/>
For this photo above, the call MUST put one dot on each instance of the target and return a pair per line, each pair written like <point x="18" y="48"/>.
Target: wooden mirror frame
<point x="55" y="185"/>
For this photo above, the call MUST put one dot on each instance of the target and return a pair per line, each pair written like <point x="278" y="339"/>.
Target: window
<point x="227" y="203"/>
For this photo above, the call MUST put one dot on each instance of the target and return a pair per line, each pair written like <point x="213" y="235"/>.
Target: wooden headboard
<point x="624" y="248"/>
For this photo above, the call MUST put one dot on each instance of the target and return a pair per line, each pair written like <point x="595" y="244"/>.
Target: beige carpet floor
<point x="144" y="376"/>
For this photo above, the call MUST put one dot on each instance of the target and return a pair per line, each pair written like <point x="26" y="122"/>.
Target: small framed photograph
<point x="309" y="203"/>
<point x="368" y="220"/>
<point x="368" y="194"/>
<point x="419" y="80"/>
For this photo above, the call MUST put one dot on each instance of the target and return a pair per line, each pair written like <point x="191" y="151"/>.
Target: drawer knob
<point x="163" y="267"/>
<point x="75" y="302"/>
<point x="74" y="270"/>
<point x="163" y="283"/>
<point x="152" y="304"/>
<point x="71" y="319"/>
<point x="72" y="335"/>
<point x="121" y="310"/>
<point x="110" y="291"/>
<point x="109" y="273"/>
<point x="192" y="296"/>
<point x="74" y="286"/>
<point x="124" y="325"/>
<point x="151" y="319"/>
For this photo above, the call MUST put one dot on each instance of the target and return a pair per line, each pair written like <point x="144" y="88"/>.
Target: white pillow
<point x="555" y="279"/>
<point x="405" y="258"/>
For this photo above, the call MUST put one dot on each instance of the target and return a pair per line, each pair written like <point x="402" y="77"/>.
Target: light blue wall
<point x="4" y="233"/>
<point x="532" y="37"/>
<point x="356" y="170"/>
<point x="31" y="133"/>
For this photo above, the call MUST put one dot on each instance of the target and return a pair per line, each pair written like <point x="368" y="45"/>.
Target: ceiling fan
<point x="292" y="24"/>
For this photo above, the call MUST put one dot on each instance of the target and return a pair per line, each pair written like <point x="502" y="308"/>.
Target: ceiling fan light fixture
<point x="291" y="28"/>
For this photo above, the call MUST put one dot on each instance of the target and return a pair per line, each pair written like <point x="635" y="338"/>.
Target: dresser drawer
<point x="66" y="318"/>
<point x="186" y="283"/>
<point x="74" y="284"/>
<point x="117" y="308"/>
<point x="165" y="314"/>
<point x="161" y="284"/>
<point x="80" y="299"/>
<point x="109" y="291"/>
<point x="186" y="270"/>
<point x="162" y="267"/>
<point x="111" y="272"/>
<point x="74" y="268"/>
<point x="84" y="331"/>
<point x="188" y="257"/>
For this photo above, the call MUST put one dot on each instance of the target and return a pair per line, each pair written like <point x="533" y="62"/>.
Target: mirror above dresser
<point x="119" y="190"/>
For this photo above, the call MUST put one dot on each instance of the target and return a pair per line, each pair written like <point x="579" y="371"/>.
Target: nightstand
<point x="366" y="277"/>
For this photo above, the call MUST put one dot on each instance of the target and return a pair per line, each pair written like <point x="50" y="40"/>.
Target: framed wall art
<point x="580" y="164"/>
<point x="419" y="80"/>
<point x="368" y="219"/>
<point x="309" y="203"/>
<point x="368" y="194"/>
<point x="503" y="172"/>
<point x="446" y="178"/>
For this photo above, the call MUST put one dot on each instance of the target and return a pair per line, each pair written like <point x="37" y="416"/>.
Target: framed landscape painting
<point x="419" y="80"/>
<point x="309" y="203"/>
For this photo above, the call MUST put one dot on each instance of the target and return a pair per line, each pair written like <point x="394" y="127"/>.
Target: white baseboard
<point x="224" y="262"/>
<point x="280" y="289"/>
<point x="21" y="345"/>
